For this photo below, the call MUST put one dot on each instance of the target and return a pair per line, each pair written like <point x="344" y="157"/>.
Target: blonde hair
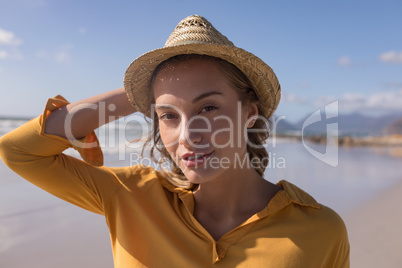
<point x="246" y="94"/>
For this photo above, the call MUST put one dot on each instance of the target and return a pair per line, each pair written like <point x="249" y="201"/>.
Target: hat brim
<point x="138" y="74"/>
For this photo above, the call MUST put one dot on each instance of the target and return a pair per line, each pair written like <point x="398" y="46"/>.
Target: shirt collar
<point x="290" y="194"/>
<point x="297" y="195"/>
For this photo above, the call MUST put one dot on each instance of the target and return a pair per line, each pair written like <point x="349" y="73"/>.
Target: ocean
<point x="49" y="232"/>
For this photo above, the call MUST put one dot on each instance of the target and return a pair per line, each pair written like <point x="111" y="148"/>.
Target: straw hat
<point x="196" y="35"/>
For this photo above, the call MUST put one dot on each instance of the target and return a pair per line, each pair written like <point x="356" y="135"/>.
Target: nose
<point x="191" y="132"/>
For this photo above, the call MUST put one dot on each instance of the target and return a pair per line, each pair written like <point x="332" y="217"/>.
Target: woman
<point x="210" y="102"/>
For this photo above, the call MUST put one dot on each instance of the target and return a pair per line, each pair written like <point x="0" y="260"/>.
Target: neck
<point x="240" y="192"/>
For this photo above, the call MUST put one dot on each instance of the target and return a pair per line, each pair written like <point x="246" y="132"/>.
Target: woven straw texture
<point x="196" y="35"/>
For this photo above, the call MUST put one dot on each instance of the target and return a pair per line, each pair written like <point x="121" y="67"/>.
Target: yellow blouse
<point x="151" y="221"/>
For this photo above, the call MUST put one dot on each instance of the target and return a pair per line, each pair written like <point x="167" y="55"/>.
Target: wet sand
<point x="375" y="230"/>
<point x="38" y="230"/>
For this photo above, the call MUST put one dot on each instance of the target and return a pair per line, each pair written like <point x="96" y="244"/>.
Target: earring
<point x="252" y="122"/>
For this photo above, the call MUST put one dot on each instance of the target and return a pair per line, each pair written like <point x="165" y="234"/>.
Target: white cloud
<point x="344" y="61"/>
<point x="304" y="85"/>
<point x="292" y="98"/>
<point x="12" y="53"/>
<point x="3" y="54"/>
<point x="62" y="55"/>
<point x="9" y="42"/>
<point x="42" y="54"/>
<point x="8" y="38"/>
<point x="384" y="101"/>
<point x="391" y="57"/>
<point x="323" y="100"/>
<point x="389" y="100"/>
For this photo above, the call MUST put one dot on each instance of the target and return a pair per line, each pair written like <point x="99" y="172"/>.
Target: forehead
<point x="188" y="79"/>
<point x="184" y="66"/>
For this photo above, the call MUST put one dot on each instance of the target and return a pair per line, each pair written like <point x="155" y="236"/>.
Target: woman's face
<point x="201" y="121"/>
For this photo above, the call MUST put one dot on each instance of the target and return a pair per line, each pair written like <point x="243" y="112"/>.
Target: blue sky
<point x="321" y="51"/>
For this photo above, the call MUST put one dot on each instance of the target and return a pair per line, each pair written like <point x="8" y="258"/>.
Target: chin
<point x="201" y="175"/>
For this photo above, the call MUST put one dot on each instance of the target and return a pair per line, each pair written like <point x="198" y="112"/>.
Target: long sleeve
<point x="38" y="158"/>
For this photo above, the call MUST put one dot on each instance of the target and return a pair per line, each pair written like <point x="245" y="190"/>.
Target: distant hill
<point x="355" y="124"/>
<point x="283" y="126"/>
<point x="10" y="117"/>
<point x="394" y="128"/>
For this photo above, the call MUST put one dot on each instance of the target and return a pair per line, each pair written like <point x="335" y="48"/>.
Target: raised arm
<point x="37" y="156"/>
<point x="80" y="118"/>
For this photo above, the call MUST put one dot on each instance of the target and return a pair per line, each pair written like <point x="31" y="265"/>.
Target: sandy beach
<point x="375" y="230"/>
<point x="38" y="230"/>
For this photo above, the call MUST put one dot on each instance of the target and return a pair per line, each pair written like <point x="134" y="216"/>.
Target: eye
<point x="167" y="116"/>
<point x="208" y="108"/>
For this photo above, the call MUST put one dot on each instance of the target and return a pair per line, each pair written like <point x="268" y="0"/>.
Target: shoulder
<point x="331" y="218"/>
<point x="137" y="174"/>
<point x="315" y="227"/>
<point x="329" y="225"/>
<point x="332" y="236"/>
<point x="307" y="210"/>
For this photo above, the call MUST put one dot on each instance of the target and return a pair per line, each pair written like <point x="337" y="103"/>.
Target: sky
<point x="321" y="51"/>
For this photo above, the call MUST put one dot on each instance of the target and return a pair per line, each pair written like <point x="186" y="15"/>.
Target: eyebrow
<point x="163" y="106"/>
<point x="207" y="94"/>
<point x="202" y="96"/>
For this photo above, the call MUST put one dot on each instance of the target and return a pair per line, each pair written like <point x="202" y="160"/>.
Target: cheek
<point x="221" y="133"/>
<point x="227" y="131"/>
<point x="169" y="138"/>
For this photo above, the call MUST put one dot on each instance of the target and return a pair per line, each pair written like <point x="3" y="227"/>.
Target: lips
<point x="194" y="159"/>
